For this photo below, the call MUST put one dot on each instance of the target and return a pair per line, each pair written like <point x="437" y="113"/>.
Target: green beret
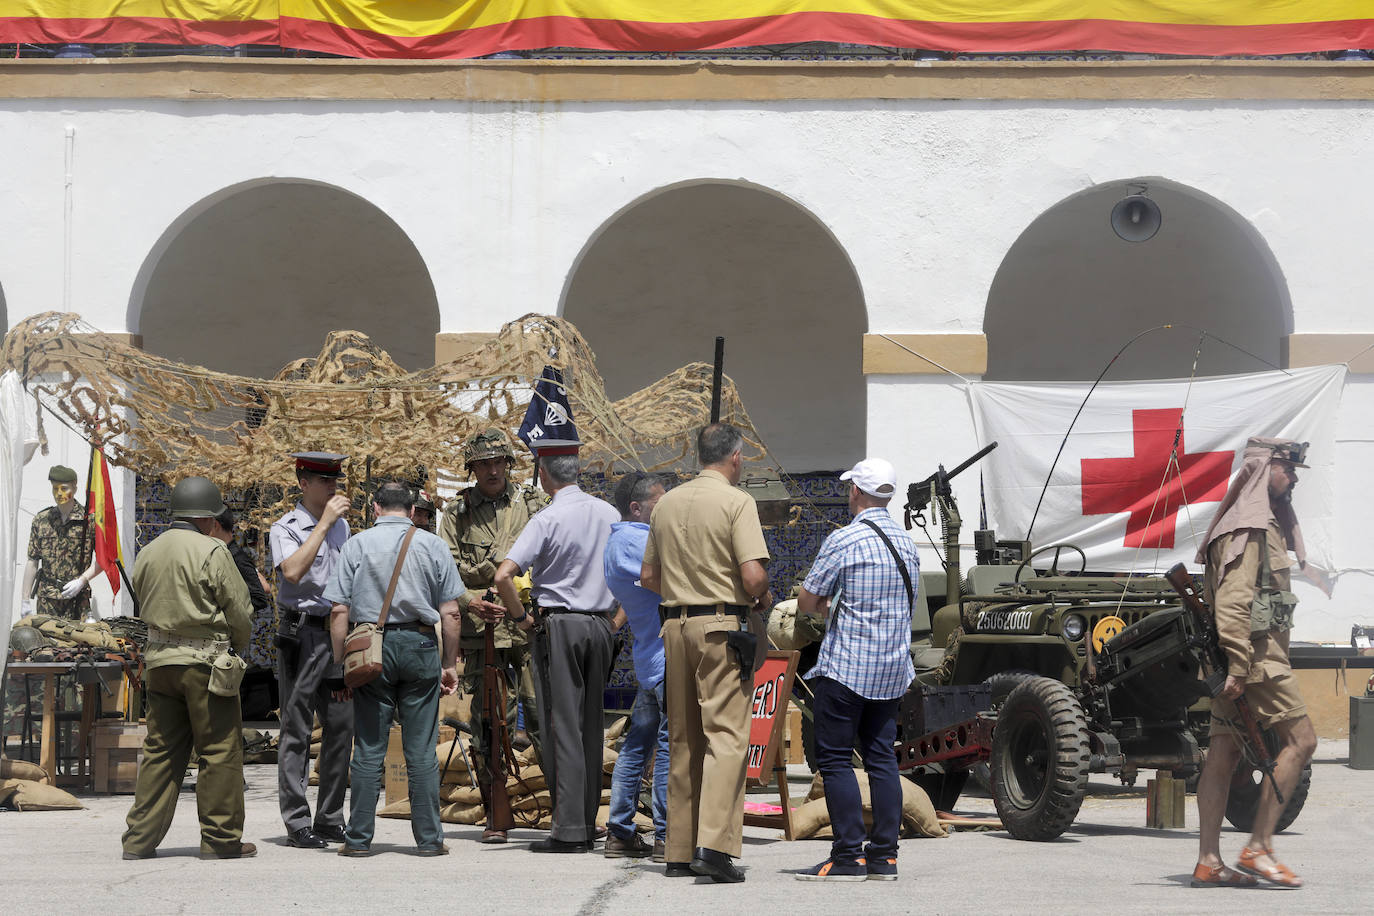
<point x="60" y="474"/>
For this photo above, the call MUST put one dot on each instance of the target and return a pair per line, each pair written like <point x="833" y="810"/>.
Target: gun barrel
<point x="978" y="456"/>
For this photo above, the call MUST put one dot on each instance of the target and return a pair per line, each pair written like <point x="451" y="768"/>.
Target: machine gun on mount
<point x="1049" y="676"/>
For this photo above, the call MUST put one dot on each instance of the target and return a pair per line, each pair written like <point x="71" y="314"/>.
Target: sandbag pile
<point x="460" y="801"/>
<point x="812" y="820"/>
<point x="26" y="786"/>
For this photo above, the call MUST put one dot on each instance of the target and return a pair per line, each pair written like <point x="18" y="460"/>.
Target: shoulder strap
<point x="395" y="577"/>
<point x="901" y="565"/>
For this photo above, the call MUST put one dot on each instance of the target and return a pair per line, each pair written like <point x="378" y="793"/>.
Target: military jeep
<point x="1050" y="674"/>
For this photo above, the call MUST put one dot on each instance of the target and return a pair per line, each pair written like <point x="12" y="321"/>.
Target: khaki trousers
<point x="708" y="737"/>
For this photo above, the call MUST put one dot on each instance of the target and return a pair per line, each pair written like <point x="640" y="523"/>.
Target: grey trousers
<point x="302" y="695"/>
<point x="579" y="650"/>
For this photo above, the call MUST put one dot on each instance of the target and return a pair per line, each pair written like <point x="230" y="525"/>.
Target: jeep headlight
<point x="1074" y="627"/>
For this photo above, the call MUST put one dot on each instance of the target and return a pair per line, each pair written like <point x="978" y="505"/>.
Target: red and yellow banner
<point x="100" y="511"/>
<point x="454" y="28"/>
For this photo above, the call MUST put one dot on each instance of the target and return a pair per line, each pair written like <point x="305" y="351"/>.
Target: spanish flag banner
<point x="100" y="509"/>
<point x="473" y="28"/>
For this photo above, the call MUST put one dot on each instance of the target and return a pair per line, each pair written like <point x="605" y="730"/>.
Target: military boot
<point x="488" y="834"/>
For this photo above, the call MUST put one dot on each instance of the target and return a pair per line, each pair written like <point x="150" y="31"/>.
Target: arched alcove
<point x="674" y="269"/>
<point x="1070" y="293"/>
<point x="256" y="275"/>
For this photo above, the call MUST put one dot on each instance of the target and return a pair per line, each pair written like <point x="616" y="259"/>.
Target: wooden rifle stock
<point x="1214" y="667"/>
<point x="497" y="735"/>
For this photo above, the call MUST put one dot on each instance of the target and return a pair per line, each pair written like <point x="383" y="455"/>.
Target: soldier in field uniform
<point x="479" y="525"/>
<point x="61" y="549"/>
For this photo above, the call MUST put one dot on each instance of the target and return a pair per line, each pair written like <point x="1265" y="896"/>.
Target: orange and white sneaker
<point x="835" y="870"/>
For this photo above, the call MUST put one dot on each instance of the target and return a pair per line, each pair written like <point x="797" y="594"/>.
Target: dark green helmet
<point x="489" y="443"/>
<point x="196" y="497"/>
<point x="26" y="639"/>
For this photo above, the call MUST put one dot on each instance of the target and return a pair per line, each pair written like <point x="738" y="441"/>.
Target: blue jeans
<point x="408" y="687"/>
<point x="845" y="721"/>
<point x="648" y="725"/>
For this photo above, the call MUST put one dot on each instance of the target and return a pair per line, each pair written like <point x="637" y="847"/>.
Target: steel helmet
<point x="196" y="497"/>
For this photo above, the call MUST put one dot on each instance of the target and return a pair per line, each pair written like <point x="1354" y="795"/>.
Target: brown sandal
<point x="1278" y="873"/>
<point x="1221" y="876"/>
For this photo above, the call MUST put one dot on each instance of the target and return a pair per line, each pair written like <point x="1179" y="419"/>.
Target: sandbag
<point x="608" y="757"/>
<point x="35" y="796"/>
<point x="7" y="789"/>
<point x="398" y="809"/>
<point x="617" y="729"/>
<point x="918" y="814"/>
<point x="460" y="795"/>
<point x="531" y="802"/>
<point x="790" y="630"/>
<point x="809" y="819"/>
<point x="461" y="814"/>
<point x="23" y="769"/>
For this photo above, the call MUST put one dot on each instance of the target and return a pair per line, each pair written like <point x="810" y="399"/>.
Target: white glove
<point x="73" y="588"/>
<point x="26" y="607"/>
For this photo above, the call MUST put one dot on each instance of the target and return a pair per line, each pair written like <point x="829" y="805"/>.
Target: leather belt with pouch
<point x="362" y="661"/>
<point x="162" y="637"/>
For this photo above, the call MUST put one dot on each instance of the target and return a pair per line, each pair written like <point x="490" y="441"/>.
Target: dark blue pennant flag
<point x="548" y="416"/>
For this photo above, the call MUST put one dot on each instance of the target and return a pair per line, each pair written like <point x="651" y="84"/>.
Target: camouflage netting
<point x="167" y="421"/>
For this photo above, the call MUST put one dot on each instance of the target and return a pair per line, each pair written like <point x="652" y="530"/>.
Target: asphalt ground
<point x="69" y="861"/>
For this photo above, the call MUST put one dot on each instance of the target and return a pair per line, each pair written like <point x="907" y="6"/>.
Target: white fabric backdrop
<point x="12" y="454"/>
<point x="1134" y="423"/>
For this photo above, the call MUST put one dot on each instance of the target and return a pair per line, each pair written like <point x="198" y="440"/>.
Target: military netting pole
<point x="716" y="379"/>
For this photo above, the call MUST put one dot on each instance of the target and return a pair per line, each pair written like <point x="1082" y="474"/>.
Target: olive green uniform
<point x="63" y="551"/>
<point x="189" y="591"/>
<point x="699" y="535"/>
<point x="479" y="532"/>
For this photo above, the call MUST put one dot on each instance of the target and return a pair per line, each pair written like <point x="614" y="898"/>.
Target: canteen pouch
<point x="1272" y="609"/>
<point x="362" y="661"/>
<point x="226" y="674"/>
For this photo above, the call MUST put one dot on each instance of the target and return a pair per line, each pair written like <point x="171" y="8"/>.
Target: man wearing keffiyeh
<point x="1248" y="580"/>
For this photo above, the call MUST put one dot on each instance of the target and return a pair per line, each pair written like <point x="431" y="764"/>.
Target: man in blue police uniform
<point x="305" y="545"/>
<point x="863" y="670"/>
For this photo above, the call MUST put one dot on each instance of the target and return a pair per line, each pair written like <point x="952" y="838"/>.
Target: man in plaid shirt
<point x="865" y="578"/>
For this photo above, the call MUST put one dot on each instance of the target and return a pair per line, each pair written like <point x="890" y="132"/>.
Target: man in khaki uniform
<point x="1248" y="581"/>
<point x="479" y="525"/>
<point x="705" y="556"/>
<point x="196" y="606"/>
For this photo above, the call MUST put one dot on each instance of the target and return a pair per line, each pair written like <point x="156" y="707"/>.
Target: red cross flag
<point x="1115" y="491"/>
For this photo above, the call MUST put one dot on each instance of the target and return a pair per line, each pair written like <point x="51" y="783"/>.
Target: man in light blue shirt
<point x="635" y="497"/>
<point x="862" y="672"/>
<point x="563" y="546"/>
<point x="413" y="675"/>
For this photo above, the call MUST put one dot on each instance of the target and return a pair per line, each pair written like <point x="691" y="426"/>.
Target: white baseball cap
<point x="874" y="476"/>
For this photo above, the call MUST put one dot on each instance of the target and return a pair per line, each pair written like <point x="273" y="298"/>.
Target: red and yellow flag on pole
<point x="473" y="28"/>
<point x="100" y="513"/>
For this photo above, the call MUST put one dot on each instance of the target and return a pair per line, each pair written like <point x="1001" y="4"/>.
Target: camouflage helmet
<point x="489" y="443"/>
<point x="196" y="497"/>
<point x="26" y="639"/>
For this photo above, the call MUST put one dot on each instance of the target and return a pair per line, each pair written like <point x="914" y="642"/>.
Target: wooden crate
<point x="795" y="752"/>
<point x="116" y="752"/>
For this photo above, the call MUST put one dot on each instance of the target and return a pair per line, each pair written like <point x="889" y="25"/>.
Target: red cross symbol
<point x="1138" y="485"/>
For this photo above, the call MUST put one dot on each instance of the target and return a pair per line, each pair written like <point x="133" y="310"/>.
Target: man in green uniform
<point x="61" y="549"/>
<point x="196" y="606"/>
<point x="479" y="525"/>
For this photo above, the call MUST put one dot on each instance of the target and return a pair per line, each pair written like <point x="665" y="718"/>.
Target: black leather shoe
<point x="678" y="870"/>
<point x="552" y="845"/>
<point x="305" y="838"/>
<point x="716" y="866"/>
<point x="330" y="834"/>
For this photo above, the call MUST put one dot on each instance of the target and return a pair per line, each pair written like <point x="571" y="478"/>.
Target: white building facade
<point x="230" y="213"/>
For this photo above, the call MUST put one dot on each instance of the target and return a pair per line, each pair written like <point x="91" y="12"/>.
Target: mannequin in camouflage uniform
<point x="61" y="549"/>
<point x="479" y="525"/>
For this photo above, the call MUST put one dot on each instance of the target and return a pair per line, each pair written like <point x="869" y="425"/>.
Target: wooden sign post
<point x="768" y="715"/>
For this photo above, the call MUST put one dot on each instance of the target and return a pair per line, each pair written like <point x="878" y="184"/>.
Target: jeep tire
<point x="1040" y="757"/>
